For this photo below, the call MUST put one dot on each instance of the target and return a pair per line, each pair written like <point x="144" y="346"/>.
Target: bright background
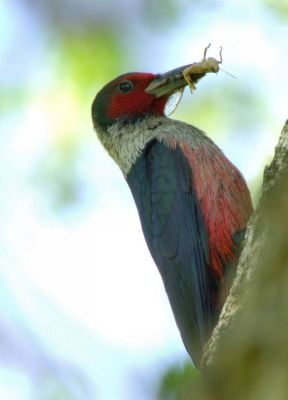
<point x="83" y="313"/>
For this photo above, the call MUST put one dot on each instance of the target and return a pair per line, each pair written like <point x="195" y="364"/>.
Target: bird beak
<point x="174" y="80"/>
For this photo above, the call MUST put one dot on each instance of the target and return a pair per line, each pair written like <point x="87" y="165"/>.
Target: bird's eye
<point x="125" y="86"/>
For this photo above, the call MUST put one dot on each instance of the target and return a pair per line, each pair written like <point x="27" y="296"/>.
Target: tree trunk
<point x="247" y="354"/>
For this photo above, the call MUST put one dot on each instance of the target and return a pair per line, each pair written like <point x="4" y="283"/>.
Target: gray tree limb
<point x="247" y="354"/>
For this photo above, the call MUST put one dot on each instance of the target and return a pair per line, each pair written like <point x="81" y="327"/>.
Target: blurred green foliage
<point x="90" y="56"/>
<point x="178" y="381"/>
<point x="279" y="7"/>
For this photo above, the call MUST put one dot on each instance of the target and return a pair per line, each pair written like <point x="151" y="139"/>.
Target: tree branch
<point x="268" y="219"/>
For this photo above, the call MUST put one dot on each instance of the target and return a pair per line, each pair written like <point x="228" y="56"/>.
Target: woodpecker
<point x="193" y="203"/>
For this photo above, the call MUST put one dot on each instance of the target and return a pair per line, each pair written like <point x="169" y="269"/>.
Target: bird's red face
<point x="137" y="94"/>
<point x="128" y="97"/>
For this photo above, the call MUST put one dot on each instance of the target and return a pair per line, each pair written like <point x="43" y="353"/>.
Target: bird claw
<point x="206" y="65"/>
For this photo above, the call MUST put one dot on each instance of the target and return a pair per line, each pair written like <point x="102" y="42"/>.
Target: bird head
<point x="135" y="95"/>
<point x="127" y="109"/>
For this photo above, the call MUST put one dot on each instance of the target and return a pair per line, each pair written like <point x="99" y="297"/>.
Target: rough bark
<point x="254" y="242"/>
<point x="247" y="354"/>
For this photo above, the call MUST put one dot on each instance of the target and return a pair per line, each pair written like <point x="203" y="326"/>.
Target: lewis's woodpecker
<point x="193" y="203"/>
